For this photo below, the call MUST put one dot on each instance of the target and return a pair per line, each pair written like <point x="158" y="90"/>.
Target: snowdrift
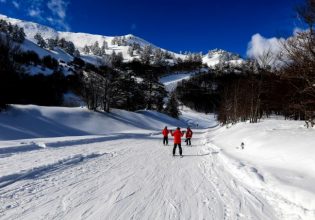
<point x="279" y="153"/>
<point x="29" y="121"/>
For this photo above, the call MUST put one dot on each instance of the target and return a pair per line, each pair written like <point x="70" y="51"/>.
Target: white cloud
<point x="58" y="9"/>
<point x="267" y="51"/>
<point x="16" y="4"/>
<point x="53" y="12"/>
<point x="259" y="45"/>
<point x="35" y="12"/>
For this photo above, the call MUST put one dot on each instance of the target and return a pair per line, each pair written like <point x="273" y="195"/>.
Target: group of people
<point x="177" y="134"/>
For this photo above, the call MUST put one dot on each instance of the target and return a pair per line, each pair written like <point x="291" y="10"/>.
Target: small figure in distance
<point x="165" y="133"/>
<point x="177" y="134"/>
<point x="189" y="134"/>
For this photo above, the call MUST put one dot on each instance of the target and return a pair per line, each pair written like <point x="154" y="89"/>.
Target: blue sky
<point x="177" y="25"/>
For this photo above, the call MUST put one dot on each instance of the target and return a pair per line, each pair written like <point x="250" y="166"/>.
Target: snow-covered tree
<point x="130" y="51"/>
<point x="17" y="34"/>
<point x="52" y="43"/>
<point x="86" y="49"/>
<point x="95" y="49"/>
<point x="104" y="46"/>
<point x="76" y="53"/>
<point x="145" y="56"/>
<point x="159" y="57"/>
<point x="69" y="47"/>
<point x="40" y="40"/>
<point x="115" y="40"/>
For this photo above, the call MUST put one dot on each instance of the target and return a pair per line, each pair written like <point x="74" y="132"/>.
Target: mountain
<point x="117" y="44"/>
<point x="216" y="56"/>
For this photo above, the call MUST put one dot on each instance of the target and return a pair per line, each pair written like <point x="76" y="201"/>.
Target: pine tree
<point x="52" y="43"/>
<point x="95" y="49"/>
<point x="86" y="49"/>
<point x="130" y="51"/>
<point x="159" y="57"/>
<point x="17" y="34"/>
<point x="145" y="56"/>
<point x="172" y="106"/>
<point x="40" y="40"/>
<point x="69" y="47"/>
<point x="77" y="53"/>
<point x="104" y="48"/>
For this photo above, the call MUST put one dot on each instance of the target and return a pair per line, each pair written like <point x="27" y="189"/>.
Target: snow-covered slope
<point x="82" y="39"/>
<point x="280" y="154"/>
<point x="126" y="172"/>
<point x="217" y="56"/>
<point x="34" y="122"/>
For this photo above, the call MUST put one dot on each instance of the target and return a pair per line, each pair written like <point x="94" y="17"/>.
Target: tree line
<point x="256" y="89"/>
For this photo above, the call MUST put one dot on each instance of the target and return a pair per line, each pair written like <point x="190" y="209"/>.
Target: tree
<point x="77" y="53"/>
<point x="130" y="51"/>
<point x="40" y="40"/>
<point x="52" y="43"/>
<point x="159" y="57"/>
<point x="69" y="47"/>
<point x="95" y="49"/>
<point x="103" y="48"/>
<point x="145" y="55"/>
<point x="172" y="106"/>
<point x="299" y="50"/>
<point x="17" y="34"/>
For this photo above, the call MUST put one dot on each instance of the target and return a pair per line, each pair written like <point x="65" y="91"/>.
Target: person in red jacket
<point x="165" y="133"/>
<point x="177" y="134"/>
<point x="189" y="134"/>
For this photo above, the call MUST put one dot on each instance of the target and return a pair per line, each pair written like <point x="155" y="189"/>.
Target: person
<point x="189" y="134"/>
<point x="165" y="133"/>
<point x="177" y="134"/>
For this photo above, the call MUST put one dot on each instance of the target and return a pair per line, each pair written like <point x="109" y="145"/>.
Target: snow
<point x="82" y="39"/>
<point x="170" y="81"/>
<point x="281" y="154"/>
<point x="31" y="121"/>
<point x="70" y="163"/>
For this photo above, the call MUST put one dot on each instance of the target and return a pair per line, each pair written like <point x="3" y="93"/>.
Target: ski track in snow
<point x="133" y="178"/>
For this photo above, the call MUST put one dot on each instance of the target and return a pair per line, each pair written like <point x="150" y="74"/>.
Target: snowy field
<point x="69" y="163"/>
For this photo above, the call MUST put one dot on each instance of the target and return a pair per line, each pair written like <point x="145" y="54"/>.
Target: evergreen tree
<point x="86" y="49"/>
<point x="145" y="56"/>
<point x="130" y="51"/>
<point x="172" y="106"/>
<point x="52" y="43"/>
<point x="95" y="49"/>
<point x="69" y="47"/>
<point x="159" y="57"/>
<point x="40" y="40"/>
<point x="77" y="53"/>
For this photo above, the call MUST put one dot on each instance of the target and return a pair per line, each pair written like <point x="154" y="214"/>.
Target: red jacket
<point x="165" y="132"/>
<point x="189" y="133"/>
<point x="177" y="136"/>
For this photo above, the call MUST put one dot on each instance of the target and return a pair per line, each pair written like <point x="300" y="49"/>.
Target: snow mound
<point x="279" y="153"/>
<point x="30" y="121"/>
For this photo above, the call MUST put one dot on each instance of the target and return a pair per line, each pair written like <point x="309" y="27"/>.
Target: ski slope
<point x="119" y="171"/>
<point x="123" y="178"/>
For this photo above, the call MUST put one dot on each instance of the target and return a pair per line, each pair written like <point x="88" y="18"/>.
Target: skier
<point x="189" y="134"/>
<point x="177" y="141"/>
<point x="165" y="135"/>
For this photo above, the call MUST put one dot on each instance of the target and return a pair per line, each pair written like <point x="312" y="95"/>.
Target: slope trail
<point x="140" y="180"/>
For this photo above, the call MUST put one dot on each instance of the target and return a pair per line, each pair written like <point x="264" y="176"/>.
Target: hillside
<point x="80" y="40"/>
